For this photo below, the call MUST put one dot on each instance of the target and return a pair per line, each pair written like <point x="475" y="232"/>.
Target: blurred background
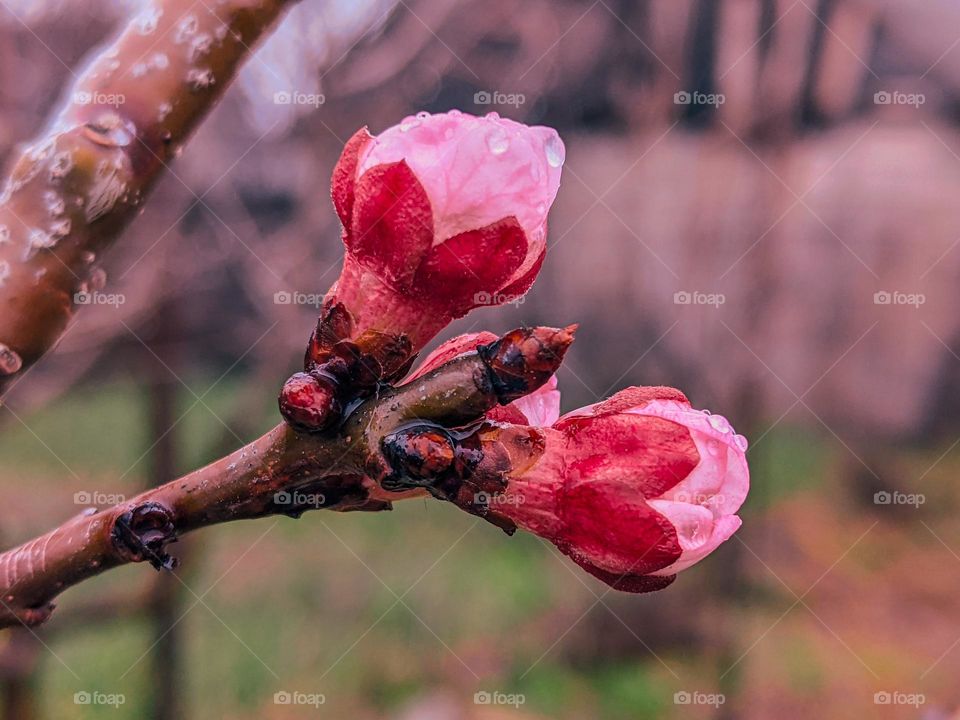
<point x="759" y="206"/>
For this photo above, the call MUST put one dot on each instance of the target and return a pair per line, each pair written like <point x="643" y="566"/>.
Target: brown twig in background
<point x="397" y="439"/>
<point x="73" y="191"/>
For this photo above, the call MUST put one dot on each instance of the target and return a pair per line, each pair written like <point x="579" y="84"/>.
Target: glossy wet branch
<point x="76" y="187"/>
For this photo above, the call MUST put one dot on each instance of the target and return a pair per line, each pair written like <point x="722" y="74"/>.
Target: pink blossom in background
<point x="441" y="214"/>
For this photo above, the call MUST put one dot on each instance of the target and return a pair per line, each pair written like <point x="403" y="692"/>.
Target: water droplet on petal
<point x="4" y="271"/>
<point x="408" y="123"/>
<point x="498" y="142"/>
<point x="422" y="115"/>
<point x="139" y="70"/>
<point x="493" y="115"/>
<point x="4" y="234"/>
<point x="741" y="442"/>
<point x="555" y="151"/>
<point x="10" y="361"/>
<point x="88" y="257"/>
<point x="163" y="110"/>
<point x="719" y="423"/>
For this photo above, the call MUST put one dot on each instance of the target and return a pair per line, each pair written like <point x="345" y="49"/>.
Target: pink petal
<point x="721" y="479"/>
<point x="477" y="170"/>
<point x="698" y="532"/>
<point x="541" y="407"/>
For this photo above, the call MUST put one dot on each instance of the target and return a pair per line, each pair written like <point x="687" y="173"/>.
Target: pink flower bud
<point x="634" y="489"/>
<point x="441" y="214"/>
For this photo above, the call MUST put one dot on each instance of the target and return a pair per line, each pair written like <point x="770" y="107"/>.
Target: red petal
<point x="608" y="524"/>
<point x="519" y="287"/>
<point x="628" y="583"/>
<point x="650" y="453"/>
<point x="473" y="262"/>
<point x="345" y="175"/>
<point x="392" y="222"/>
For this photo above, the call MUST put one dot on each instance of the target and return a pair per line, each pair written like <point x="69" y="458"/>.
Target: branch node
<point x="143" y="532"/>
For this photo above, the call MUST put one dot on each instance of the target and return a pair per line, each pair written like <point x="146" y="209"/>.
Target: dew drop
<point x="422" y="115"/>
<point x="741" y="442"/>
<point x="139" y="70"/>
<point x="409" y="123"/>
<point x="492" y="115"/>
<point x="555" y="151"/>
<point x="40" y="239"/>
<point x="4" y="235"/>
<point x="149" y="20"/>
<point x="200" y="78"/>
<point x="163" y="110"/>
<point x="61" y="166"/>
<point x="88" y="257"/>
<point x="160" y="61"/>
<point x="719" y="423"/>
<point x="200" y="46"/>
<point x="54" y="203"/>
<point x="60" y="228"/>
<point x="498" y="142"/>
<point x="10" y="361"/>
<point x="185" y="28"/>
<point x="4" y="271"/>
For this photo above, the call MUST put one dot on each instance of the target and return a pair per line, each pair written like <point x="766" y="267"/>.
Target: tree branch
<point x="427" y="435"/>
<point x="73" y="191"/>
